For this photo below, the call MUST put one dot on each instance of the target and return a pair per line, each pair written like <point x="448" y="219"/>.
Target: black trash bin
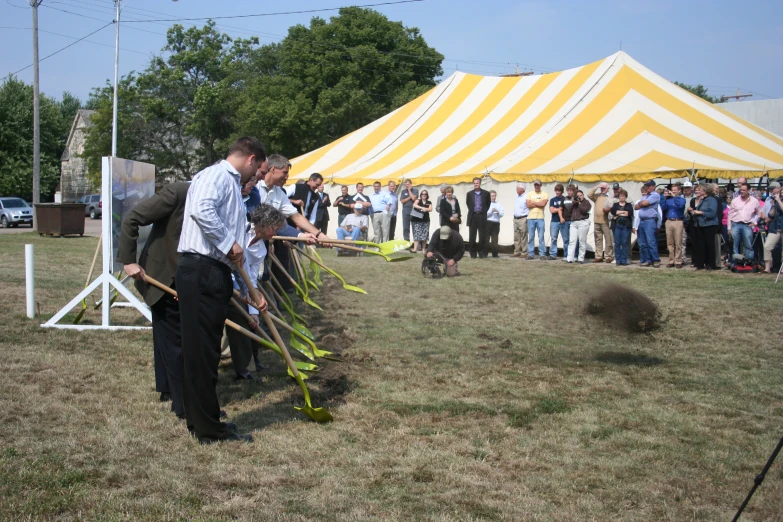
<point x="60" y="219"/>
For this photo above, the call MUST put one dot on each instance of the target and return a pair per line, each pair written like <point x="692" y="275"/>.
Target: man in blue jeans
<point x="536" y="202"/>
<point x="743" y="213"/>
<point x="647" y="208"/>
<point x="558" y="225"/>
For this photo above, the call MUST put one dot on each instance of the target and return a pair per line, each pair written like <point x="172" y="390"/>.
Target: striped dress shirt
<point x="214" y="213"/>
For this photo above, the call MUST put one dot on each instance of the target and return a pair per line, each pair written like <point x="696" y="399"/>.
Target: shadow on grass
<point x="628" y="359"/>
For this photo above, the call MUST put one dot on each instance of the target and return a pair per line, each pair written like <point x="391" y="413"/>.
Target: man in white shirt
<point x="520" y="222"/>
<point x="213" y="231"/>
<point x="494" y="214"/>
<point x="381" y="213"/>
<point x="393" y="204"/>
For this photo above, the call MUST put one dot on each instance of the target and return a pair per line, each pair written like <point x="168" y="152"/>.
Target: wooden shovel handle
<point x="269" y="323"/>
<point x="280" y="266"/>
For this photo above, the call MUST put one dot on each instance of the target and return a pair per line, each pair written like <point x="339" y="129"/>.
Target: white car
<point x="14" y="212"/>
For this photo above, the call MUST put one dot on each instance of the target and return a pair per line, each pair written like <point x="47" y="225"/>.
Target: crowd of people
<point x="714" y="225"/>
<point x="224" y="219"/>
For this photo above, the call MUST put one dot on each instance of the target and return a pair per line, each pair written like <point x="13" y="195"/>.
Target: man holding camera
<point x="604" y="241"/>
<point x="450" y="246"/>
<point x="353" y="226"/>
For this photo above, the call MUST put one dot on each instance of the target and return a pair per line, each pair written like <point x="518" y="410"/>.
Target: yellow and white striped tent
<point x="611" y="120"/>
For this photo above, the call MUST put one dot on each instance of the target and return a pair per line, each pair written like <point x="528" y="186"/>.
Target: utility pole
<point x="36" y="117"/>
<point x="117" y="5"/>
<point x="736" y="97"/>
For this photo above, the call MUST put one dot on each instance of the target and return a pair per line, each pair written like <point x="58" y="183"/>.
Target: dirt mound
<point x="620" y="306"/>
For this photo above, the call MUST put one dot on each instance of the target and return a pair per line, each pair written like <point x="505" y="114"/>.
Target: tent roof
<point x="612" y="120"/>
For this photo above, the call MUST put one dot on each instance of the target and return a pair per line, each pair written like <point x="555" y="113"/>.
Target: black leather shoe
<point x="232" y="437"/>
<point x="247" y="376"/>
<point x="223" y="414"/>
<point x="231" y="427"/>
<point x="164" y="397"/>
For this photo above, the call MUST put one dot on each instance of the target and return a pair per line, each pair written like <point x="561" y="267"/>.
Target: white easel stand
<point x="105" y="280"/>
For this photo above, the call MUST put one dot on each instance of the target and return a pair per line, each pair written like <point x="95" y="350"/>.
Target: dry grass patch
<point x="486" y="397"/>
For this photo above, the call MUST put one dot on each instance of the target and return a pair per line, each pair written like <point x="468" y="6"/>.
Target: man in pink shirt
<point x="743" y="213"/>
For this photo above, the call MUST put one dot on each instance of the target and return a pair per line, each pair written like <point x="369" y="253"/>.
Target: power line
<point x="74" y="38"/>
<point x="305" y="11"/>
<point x="98" y="19"/>
<point x="61" y="50"/>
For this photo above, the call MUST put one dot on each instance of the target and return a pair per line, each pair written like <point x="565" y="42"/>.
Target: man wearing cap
<point x="450" y="246"/>
<point x="604" y="242"/>
<point x="478" y="201"/>
<point x="381" y="212"/>
<point x="687" y="194"/>
<point x="772" y="213"/>
<point x="673" y="208"/>
<point x="647" y="210"/>
<point x="354" y="225"/>
<point x="536" y="202"/>
<point x="520" y="222"/>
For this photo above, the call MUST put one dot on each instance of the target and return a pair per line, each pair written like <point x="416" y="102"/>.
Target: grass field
<point x="486" y="397"/>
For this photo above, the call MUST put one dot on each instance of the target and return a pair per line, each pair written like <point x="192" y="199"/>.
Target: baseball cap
<point x="650" y="183"/>
<point x="359" y="206"/>
<point x="615" y="185"/>
<point x="774" y="184"/>
<point x="687" y="184"/>
<point x="445" y="231"/>
<point x="537" y="182"/>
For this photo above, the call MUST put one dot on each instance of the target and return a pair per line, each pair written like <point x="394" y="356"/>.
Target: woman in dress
<point x="421" y="225"/>
<point x="450" y="214"/>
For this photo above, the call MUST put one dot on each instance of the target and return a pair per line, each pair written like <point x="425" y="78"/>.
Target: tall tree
<point x="177" y="112"/>
<point x="16" y="138"/>
<point x="326" y="80"/>
<point x="700" y="91"/>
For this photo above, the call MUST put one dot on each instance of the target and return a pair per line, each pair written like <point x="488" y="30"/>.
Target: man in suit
<point x="478" y="202"/>
<point x="322" y="210"/>
<point x="305" y="197"/>
<point x="159" y="259"/>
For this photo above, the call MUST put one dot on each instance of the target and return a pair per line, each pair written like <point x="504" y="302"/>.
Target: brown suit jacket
<point x="159" y="257"/>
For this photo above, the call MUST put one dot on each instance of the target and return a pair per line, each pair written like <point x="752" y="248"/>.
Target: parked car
<point x="15" y="211"/>
<point x="93" y="205"/>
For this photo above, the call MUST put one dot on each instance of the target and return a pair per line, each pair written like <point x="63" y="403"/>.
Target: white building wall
<point x="767" y="114"/>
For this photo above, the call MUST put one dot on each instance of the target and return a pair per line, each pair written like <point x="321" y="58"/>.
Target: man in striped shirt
<point x="213" y="230"/>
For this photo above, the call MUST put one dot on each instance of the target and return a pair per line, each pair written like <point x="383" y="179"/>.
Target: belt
<point x="673" y="219"/>
<point x="519" y="217"/>
<point x="206" y="259"/>
<point x="377" y="211"/>
<point x="646" y="219"/>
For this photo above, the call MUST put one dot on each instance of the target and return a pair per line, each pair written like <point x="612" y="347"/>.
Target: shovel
<point x="295" y="336"/>
<point x="387" y="247"/>
<point x="299" y="327"/>
<point x="304" y="350"/>
<point x="314" y="267"/>
<point x="302" y="293"/>
<point x="330" y="271"/>
<point x="267" y="342"/>
<point x="284" y="300"/>
<point x="391" y="257"/>
<point x="317" y="414"/>
<point x="303" y="273"/>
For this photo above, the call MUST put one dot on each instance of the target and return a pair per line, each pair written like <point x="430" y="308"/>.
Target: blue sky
<point x="721" y="44"/>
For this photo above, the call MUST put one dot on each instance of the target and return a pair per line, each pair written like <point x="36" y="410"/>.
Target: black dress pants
<point x="204" y="288"/>
<point x="167" y="345"/>
<point x="392" y="226"/>
<point x="493" y="230"/>
<point x="704" y="247"/>
<point x="477" y="226"/>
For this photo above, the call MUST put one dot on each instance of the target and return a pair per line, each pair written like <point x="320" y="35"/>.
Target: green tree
<point x="698" y="90"/>
<point x="177" y="112"/>
<point x="326" y="80"/>
<point x="16" y="138"/>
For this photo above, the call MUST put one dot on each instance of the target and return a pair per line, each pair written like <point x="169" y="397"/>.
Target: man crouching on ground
<point x="448" y="244"/>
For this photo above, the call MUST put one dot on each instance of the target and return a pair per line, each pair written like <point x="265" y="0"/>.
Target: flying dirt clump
<point x="621" y="306"/>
